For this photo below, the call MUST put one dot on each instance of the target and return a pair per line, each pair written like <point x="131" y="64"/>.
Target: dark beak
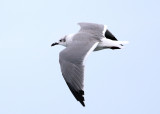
<point x="54" y="44"/>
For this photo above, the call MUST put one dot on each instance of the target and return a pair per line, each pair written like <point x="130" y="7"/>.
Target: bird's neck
<point x="69" y="39"/>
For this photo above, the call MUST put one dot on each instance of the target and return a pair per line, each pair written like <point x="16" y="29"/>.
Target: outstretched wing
<point x="97" y="29"/>
<point x="71" y="62"/>
<point x="92" y="28"/>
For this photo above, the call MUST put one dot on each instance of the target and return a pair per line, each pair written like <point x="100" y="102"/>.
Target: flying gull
<point x="91" y="37"/>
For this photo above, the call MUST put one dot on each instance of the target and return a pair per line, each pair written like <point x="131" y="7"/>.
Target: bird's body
<point x="91" y="37"/>
<point x="103" y="42"/>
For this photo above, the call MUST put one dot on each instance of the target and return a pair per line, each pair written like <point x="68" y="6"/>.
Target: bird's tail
<point x="119" y="44"/>
<point x="122" y="43"/>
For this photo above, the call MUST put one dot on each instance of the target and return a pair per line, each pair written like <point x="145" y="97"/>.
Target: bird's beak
<point x="54" y="44"/>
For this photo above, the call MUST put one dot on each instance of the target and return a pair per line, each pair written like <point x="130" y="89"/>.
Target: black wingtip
<point x="109" y="35"/>
<point x="77" y="94"/>
<point x="82" y="103"/>
<point x="114" y="47"/>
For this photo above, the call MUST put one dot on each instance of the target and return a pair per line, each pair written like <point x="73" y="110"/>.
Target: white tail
<point x="121" y="43"/>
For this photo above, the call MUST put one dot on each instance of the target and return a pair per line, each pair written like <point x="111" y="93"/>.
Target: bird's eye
<point x="60" y="40"/>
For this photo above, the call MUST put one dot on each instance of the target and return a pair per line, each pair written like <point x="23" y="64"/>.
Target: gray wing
<point x="71" y="62"/>
<point x="97" y="29"/>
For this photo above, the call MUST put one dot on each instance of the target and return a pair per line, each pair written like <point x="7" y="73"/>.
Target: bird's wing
<point x="109" y="35"/>
<point x="72" y="67"/>
<point x="97" y="29"/>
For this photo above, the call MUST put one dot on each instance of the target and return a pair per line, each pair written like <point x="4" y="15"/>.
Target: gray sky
<point x="116" y="82"/>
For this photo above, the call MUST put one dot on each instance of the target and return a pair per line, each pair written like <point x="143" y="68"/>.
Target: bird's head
<point x="65" y="41"/>
<point x="62" y="42"/>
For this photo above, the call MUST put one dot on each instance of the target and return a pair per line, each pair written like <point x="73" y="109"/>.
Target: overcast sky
<point x="125" y="81"/>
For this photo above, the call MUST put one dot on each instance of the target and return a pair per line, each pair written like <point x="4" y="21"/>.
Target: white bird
<point x="91" y="37"/>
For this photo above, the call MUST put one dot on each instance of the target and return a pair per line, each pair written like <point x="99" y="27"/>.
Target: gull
<point x="91" y="37"/>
